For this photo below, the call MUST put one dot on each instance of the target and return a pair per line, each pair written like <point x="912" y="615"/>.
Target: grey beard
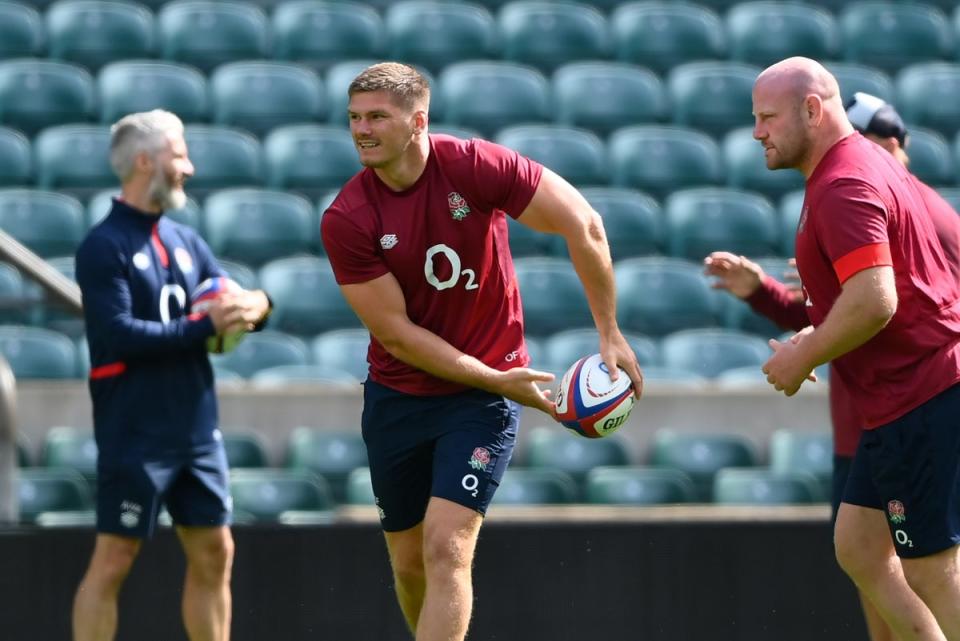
<point x="165" y="196"/>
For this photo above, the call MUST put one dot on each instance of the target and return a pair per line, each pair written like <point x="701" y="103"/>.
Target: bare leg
<point x="95" y="603"/>
<point x="936" y="579"/>
<point x="449" y="541"/>
<point x="206" y="588"/>
<point x="877" y="628"/>
<point x="866" y="554"/>
<point x="406" y="559"/>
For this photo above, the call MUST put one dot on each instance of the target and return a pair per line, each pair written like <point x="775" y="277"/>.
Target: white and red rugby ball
<point x="591" y="404"/>
<point x="207" y="292"/>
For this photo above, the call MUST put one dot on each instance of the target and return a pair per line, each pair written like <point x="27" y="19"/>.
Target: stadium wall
<point x="754" y="412"/>
<point x="536" y="580"/>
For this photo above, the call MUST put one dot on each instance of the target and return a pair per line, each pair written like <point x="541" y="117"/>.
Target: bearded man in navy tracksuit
<point x="154" y="403"/>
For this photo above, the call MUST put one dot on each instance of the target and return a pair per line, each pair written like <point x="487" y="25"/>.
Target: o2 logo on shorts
<point x="455" y="272"/>
<point x="903" y="538"/>
<point x="470" y="482"/>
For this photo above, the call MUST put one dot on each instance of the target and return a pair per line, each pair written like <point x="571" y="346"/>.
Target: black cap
<point x="871" y="115"/>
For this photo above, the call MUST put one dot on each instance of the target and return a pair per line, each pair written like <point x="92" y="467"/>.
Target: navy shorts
<point x="454" y="446"/>
<point x="194" y="487"/>
<point x="910" y="469"/>
<point x="841" y="471"/>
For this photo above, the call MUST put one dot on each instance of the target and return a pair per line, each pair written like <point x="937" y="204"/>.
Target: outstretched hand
<point x="737" y="274"/>
<point x="520" y="384"/>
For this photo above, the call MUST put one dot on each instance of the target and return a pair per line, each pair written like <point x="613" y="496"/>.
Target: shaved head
<point x="798" y="113"/>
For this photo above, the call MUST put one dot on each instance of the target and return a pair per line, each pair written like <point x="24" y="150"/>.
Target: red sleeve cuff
<point x="862" y="258"/>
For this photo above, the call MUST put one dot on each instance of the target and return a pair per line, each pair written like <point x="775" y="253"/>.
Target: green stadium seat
<point x="37" y="353"/>
<point x="563" y="349"/>
<point x="638" y="486"/>
<point x="549" y="34"/>
<point x="344" y="349"/>
<point x="656" y="296"/>
<point x="51" y="490"/>
<point x="674" y="377"/>
<point x="94" y="32"/>
<point x="552" y="448"/>
<point x="736" y="486"/>
<point x="260" y="350"/>
<point x="360" y="487"/>
<point x="16" y="301"/>
<point x="244" y="448"/>
<point x="74" y="159"/>
<point x="21" y="31"/>
<point x="16" y="164"/>
<point x="763" y="33"/>
<point x="633" y="221"/>
<point x="283" y="376"/>
<point x="790" y="208"/>
<point x="892" y="35"/>
<point x="552" y="295"/>
<point x="661" y="159"/>
<point x="662" y="35"/>
<point x="701" y="455"/>
<point x="535" y="487"/>
<point x="266" y="494"/>
<point x="699" y="221"/>
<point x="310" y="159"/>
<point x="306" y="297"/>
<point x="256" y="226"/>
<point x="39" y="93"/>
<point x="98" y="207"/>
<point x="853" y="77"/>
<point x="70" y="447"/>
<point x="435" y="34"/>
<point x="931" y="159"/>
<point x="576" y="154"/>
<point x="951" y="195"/>
<point x="746" y="166"/>
<point x="464" y="133"/>
<point x="525" y="241"/>
<point x="711" y="351"/>
<point x="319" y="34"/>
<point x="805" y="452"/>
<point x="331" y="454"/>
<point x="738" y="315"/>
<point x="205" y="33"/>
<point x="748" y="376"/>
<point x="48" y="223"/>
<point x="928" y="95"/>
<point x="522" y="95"/>
<point x="223" y="157"/>
<point x="536" y="352"/>
<point x="619" y="94"/>
<point x="245" y="276"/>
<point x="227" y="377"/>
<point x="53" y="314"/>
<point x="714" y="97"/>
<point x="131" y="86"/>
<point x="260" y="95"/>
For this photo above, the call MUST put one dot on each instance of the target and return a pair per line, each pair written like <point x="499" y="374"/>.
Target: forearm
<point x="132" y="337"/>
<point x="421" y="348"/>
<point x="590" y="256"/>
<point x="773" y="300"/>
<point x="850" y="323"/>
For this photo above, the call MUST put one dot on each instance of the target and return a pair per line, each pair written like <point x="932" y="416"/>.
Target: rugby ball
<point x="591" y="404"/>
<point x="203" y="296"/>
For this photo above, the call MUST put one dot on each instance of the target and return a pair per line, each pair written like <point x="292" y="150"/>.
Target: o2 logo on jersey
<point x="176" y="293"/>
<point x="455" y="272"/>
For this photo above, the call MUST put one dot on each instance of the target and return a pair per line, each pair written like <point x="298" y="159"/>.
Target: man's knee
<point x="210" y="556"/>
<point x="112" y="559"/>
<point x="449" y="542"/>
<point x="932" y="574"/>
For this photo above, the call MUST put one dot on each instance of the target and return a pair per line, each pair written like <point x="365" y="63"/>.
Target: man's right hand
<point x="228" y="314"/>
<point x="520" y="385"/>
<point x="737" y="274"/>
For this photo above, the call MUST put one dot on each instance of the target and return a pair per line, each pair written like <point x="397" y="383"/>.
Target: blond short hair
<point x="144" y="132"/>
<point x="408" y="86"/>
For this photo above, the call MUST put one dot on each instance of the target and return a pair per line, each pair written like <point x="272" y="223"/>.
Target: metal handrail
<point x="9" y="498"/>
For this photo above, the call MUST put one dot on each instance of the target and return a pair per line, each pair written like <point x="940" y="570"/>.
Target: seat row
<point x="659" y="35"/>
<point x="326" y="468"/>
<point x="259" y="95"/>
<point x="273" y="358"/>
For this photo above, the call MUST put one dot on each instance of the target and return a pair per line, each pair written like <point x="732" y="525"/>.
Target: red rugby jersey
<point x="445" y="240"/>
<point x="863" y="209"/>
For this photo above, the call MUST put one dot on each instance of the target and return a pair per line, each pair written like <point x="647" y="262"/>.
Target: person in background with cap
<point x="784" y="305"/>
